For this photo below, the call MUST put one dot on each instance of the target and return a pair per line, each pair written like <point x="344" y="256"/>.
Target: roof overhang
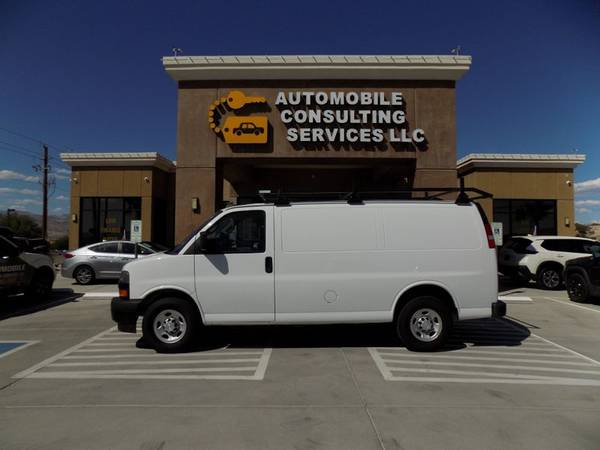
<point x="134" y="159"/>
<point x="320" y="67"/>
<point x="517" y="161"/>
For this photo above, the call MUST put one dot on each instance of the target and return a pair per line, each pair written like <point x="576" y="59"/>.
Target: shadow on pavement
<point x="482" y="332"/>
<point x="20" y="305"/>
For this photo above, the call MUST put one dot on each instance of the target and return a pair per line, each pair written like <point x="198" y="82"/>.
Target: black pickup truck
<point x="25" y="266"/>
<point x="582" y="277"/>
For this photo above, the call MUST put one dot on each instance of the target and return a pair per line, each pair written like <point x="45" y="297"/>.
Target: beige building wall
<point x="148" y="183"/>
<point x="536" y="184"/>
<point x="430" y="105"/>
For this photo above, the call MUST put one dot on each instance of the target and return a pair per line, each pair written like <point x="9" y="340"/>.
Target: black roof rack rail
<point x="357" y="197"/>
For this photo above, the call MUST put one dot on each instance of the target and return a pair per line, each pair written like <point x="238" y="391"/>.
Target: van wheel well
<point x="424" y="290"/>
<point x="166" y="293"/>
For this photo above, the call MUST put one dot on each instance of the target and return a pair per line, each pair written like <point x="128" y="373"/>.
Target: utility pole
<point x="45" y="189"/>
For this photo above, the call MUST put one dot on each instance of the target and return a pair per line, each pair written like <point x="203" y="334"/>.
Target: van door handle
<point x="269" y="264"/>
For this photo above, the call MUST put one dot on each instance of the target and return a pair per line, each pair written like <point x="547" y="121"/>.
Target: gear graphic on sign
<point x="238" y="129"/>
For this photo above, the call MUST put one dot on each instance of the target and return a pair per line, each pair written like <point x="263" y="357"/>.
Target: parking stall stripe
<point x="499" y="366"/>
<point x="90" y="359"/>
<point x="487" y="358"/>
<point x="572" y="305"/>
<point x="86" y="376"/>
<point x="170" y="371"/>
<point x="163" y="355"/>
<point x="50" y="360"/>
<point x="496" y="374"/>
<point x="530" y="360"/>
<point x="555" y="381"/>
<point x="136" y="363"/>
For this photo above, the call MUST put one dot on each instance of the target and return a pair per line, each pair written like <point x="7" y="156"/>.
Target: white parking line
<point x="25" y="344"/>
<point x="572" y="304"/>
<point x="528" y="360"/>
<point x="110" y="359"/>
<point x="515" y="299"/>
<point x="100" y="294"/>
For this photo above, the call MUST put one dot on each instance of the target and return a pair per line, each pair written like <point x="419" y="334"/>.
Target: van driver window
<point x="239" y="232"/>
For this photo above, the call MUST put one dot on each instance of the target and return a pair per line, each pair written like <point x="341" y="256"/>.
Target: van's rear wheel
<point x="424" y="323"/>
<point x="169" y="324"/>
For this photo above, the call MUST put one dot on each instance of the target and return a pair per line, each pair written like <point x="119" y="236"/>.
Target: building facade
<point x="108" y="190"/>
<point x="308" y="124"/>
<point x="532" y="194"/>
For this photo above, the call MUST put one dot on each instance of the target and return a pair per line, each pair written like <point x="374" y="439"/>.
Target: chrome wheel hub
<point x="426" y="325"/>
<point x="169" y="326"/>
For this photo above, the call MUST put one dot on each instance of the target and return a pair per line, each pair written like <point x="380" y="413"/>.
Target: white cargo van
<point x="419" y="264"/>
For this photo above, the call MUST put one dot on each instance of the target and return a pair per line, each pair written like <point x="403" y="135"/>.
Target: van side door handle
<point x="269" y="264"/>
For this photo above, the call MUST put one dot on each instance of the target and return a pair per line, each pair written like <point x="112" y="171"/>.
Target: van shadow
<point x="21" y="305"/>
<point x="481" y="333"/>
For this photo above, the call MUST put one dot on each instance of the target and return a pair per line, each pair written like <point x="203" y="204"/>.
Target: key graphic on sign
<point x="237" y="99"/>
<point x="238" y="129"/>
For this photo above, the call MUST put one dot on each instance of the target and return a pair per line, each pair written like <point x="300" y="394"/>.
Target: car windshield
<point x="175" y="250"/>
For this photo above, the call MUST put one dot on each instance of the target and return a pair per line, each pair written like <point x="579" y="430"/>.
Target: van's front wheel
<point x="424" y="324"/>
<point x="169" y="325"/>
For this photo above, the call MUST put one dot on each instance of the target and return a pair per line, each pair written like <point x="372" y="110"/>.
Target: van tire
<point x="434" y="314"/>
<point x="170" y="324"/>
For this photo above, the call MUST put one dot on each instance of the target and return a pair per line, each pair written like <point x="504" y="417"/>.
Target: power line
<point x="29" y="155"/>
<point x="18" y="147"/>
<point x="31" y="138"/>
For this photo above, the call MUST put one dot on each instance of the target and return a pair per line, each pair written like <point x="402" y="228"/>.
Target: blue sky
<point x="87" y="76"/>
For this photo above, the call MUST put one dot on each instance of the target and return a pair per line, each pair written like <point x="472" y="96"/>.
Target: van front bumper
<point x="498" y="309"/>
<point x="125" y="312"/>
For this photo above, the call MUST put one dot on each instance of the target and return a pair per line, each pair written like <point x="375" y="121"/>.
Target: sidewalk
<point x="104" y="289"/>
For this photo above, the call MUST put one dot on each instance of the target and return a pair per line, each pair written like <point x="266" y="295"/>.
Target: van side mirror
<point x="204" y="244"/>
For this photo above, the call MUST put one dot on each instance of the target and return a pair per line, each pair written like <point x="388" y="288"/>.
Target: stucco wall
<point x="430" y="105"/>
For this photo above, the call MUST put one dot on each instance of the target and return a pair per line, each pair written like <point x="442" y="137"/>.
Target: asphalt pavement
<point x="68" y="379"/>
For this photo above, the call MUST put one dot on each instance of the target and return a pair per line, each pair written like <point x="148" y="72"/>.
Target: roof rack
<point x="357" y="197"/>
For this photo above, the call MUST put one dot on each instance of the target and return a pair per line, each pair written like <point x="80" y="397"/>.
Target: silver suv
<point x="104" y="260"/>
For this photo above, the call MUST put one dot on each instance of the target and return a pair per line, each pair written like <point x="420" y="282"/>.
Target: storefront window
<point x="522" y="217"/>
<point x="107" y="218"/>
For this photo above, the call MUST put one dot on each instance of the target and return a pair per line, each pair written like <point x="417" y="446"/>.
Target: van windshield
<point x="175" y="250"/>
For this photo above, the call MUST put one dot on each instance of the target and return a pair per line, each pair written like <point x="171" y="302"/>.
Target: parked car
<point x="103" y="260"/>
<point x="319" y="262"/>
<point x="541" y="258"/>
<point x="582" y="277"/>
<point x="22" y="269"/>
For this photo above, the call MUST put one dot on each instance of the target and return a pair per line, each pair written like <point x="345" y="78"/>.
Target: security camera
<point x="569" y="183"/>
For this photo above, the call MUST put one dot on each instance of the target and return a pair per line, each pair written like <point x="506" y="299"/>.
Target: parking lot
<point x="70" y="380"/>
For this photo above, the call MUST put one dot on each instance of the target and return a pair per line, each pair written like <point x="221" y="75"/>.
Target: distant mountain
<point x="58" y="225"/>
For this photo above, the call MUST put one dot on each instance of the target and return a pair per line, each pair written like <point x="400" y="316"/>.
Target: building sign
<point x="316" y="117"/>
<point x="238" y="129"/>
<point x="497" y="228"/>
<point x="136" y="231"/>
<point x="346" y="117"/>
